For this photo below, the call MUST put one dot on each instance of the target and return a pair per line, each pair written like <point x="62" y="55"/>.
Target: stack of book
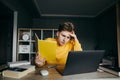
<point x="18" y="71"/>
<point x="110" y="69"/>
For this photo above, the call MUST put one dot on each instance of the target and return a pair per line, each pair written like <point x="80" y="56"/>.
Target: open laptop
<point x="81" y="62"/>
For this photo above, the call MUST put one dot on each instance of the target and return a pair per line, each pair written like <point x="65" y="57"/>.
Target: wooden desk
<point x="54" y="75"/>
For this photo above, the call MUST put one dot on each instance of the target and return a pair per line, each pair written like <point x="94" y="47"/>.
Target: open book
<point x="47" y="49"/>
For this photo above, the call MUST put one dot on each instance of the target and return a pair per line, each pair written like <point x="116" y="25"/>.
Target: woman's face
<point x="63" y="37"/>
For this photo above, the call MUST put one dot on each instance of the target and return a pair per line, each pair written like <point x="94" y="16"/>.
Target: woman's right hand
<point x="39" y="61"/>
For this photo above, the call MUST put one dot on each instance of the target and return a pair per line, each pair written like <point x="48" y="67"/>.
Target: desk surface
<point x="54" y="75"/>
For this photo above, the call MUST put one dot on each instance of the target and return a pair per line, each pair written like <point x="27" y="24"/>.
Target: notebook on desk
<point x="81" y="62"/>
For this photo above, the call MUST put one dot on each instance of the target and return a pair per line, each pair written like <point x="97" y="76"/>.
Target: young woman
<point x="66" y="41"/>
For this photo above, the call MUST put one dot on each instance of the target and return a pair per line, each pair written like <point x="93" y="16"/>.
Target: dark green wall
<point x="24" y="20"/>
<point x="107" y="32"/>
<point x="6" y="29"/>
<point x="24" y="17"/>
<point x="7" y="8"/>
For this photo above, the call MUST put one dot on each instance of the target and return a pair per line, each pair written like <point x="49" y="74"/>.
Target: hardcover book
<point x="110" y="69"/>
<point x="18" y="72"/>
<point x="18" y="63"/>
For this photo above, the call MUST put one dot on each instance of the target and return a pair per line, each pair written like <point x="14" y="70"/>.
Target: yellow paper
<point x="47" y="50"/>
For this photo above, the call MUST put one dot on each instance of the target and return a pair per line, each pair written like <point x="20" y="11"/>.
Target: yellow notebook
<point x="47" y="50"/>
